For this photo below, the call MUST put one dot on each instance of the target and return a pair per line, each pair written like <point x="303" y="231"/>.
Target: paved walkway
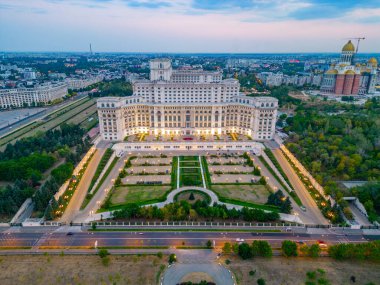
<point x="191" y="261"/>
<point x="171" y="195"/>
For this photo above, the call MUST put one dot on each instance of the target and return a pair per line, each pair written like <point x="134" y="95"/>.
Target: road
<point x="40" y="115"/>
<point x="56" y="238"/>
<point x="312" y="211"/>
<point x="81" y="191"/>
<point x="274" y="184"/>
<point x="101" y="194"/>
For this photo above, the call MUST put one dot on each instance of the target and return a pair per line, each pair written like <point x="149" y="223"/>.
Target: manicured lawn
<point x="189" y="164"/>
<point x="138" y="194"/>
<point x="184" y="158"/>
<point x="245" y="193"/>
<point x="190" y="171"/>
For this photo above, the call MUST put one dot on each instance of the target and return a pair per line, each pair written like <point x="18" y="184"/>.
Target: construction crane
<point x="358" y="39"/>
<point x="357" y="46"/>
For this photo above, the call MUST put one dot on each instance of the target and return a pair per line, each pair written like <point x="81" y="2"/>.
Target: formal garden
<point x="194" y="171"/>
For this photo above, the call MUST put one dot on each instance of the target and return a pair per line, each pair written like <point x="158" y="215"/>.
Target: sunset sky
<point x="237" y="26"/>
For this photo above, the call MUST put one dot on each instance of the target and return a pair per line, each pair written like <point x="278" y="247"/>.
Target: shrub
<point x="172" y="258"/>
<point x="245" y="251"/>
<point x="159" y="254"/>
<point x="106" y="261"/>
<point x="103" y="253"/>
<point x="314" y="250"/>
<point x="289" y="248"/>
<point x="227" y="248"/>
<point x="252" y="272"/>
<point x="261" y="248"/>
<point x="261" y="281"/>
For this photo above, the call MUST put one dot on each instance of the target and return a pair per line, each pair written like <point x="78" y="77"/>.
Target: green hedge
<point x="106" y="156"/>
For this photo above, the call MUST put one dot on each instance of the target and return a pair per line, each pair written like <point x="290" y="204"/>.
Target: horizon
<point x="188" y="26"/>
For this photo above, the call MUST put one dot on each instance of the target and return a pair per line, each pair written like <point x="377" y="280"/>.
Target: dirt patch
<point x="197" y="277"/>
<point x="292" y="271"/>
<point x="84" y="270"/>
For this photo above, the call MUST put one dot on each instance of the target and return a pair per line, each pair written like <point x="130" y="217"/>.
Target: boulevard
<point x="166" y="238"/>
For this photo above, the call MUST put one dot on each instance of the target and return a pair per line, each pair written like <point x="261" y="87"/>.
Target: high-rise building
<point x="348" y="78"/>
<point x="186" y="102"/>
<point x="31" y="96"/>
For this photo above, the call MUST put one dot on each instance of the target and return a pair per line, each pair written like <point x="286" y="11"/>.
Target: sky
<point x="189" y="26"/>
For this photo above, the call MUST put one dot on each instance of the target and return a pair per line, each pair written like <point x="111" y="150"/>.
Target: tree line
<point x="339" y="142"/>
<point x="183" y="211"/>
<point x="24" y="163"/>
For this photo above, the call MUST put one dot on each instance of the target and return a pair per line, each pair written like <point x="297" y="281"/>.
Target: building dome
<point x="373" y="61"/>
<point x="350" y="72"/>
<point x="349" y="46"/>
<point x="332" y="71"/>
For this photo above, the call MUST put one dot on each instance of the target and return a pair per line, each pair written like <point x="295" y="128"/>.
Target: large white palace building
<point x="185" y="103"/>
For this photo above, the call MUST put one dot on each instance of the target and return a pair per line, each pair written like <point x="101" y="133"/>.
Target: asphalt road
<point x="81" y="191"/>
<point x="40" y="115"/>
<point x="171" y="239"/>
<point x="312" y="211"/>
<point x="101" y="194"/>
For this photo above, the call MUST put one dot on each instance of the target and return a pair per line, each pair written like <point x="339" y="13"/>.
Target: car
<point x="303" y="208"/>
<point x="321" y="243"/>
<point x="288" y="229"/>
<point x="141" y="233"/>
<point x="69" y="233"/>
<point x="300" y="242"/>
<point x="240" y="240"/>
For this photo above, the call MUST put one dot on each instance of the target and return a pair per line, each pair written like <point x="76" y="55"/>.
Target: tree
<point x="49" y="215"/>
<point x="172" y="258"/>
<point x="261" y="248"/>
<point x="227" y="248"/>
<point x="314" y="250"/>
<point x="263" y="181"/>
<point x="261" y="281"/>
<point x="103" y="253"/>
<point x="191" y="197"/>
<point x="245" y="251"/>
<point x="209" y="244"/>
<point x="289" y="248"/>
<point x="235" y="248"/>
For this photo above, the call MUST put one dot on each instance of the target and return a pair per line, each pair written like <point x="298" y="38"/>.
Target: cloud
<point x="327" y="9"/>
<point x="147" y="4"/>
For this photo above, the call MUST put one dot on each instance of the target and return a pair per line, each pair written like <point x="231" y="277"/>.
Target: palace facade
<point x="186" y="102"/>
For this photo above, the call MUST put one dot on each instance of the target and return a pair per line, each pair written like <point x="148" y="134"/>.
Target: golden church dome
<point x="372" y="61"/>
<point x="348" y="46"/>
<point x="332" y="71"/>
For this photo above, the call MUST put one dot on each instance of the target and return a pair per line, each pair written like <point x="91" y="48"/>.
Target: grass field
<point x="187" y="158"/>
<point x="190" y="171"/>
<point x="78" y="111"/>
<point x="71" y="269"/>
<point x="138" y="194"/>
<point x="292" y="271"/>
<point x="245" y="193"/>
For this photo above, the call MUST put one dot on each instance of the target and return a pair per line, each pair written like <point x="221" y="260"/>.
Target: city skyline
<point x="187" y="26"/>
